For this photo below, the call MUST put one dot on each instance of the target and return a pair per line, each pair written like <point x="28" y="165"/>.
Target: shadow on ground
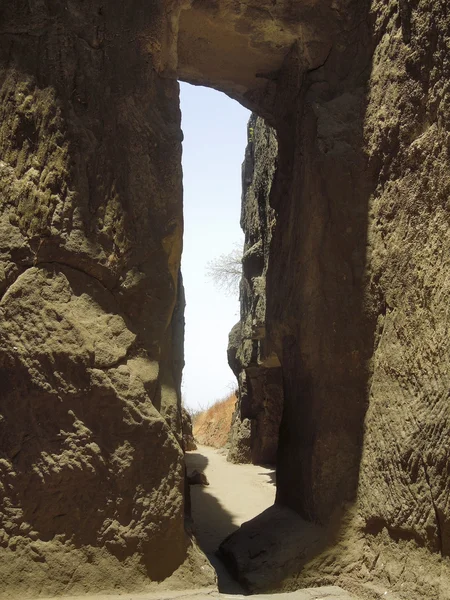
<point x="271" y="476"/>
<point x="212" y="523"/>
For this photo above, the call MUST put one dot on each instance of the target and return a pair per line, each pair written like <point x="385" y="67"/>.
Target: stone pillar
<point x="254" y="433"/>
<point x="91" y="473"/>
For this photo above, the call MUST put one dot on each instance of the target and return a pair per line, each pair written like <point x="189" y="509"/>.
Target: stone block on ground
<point x="264" y="550"/>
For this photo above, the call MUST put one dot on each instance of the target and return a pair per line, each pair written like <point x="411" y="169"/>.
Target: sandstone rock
<point x="239" y="47"/>
<point x="270" y="547"/>
<point x="358" y="323"/>
<point x="197" y="478"/>
<point x="254" y="434"/>
<point x="188" y="437"/>
<point x="322" y="593"/>
<point x="240" y="450"/>
<point x="91" y="470"/>
<point x="355" y="293"/>
<point x="77" y="464"/>
<point x="355" y="315"/>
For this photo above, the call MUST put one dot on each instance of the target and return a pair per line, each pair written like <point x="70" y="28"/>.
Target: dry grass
<point x="212" y="426"/>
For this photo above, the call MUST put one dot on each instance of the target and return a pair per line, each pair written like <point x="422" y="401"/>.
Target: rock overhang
<point x="239" y="47"/>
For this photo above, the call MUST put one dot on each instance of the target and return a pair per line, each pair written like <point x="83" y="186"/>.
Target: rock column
<point x="254" y="433"/>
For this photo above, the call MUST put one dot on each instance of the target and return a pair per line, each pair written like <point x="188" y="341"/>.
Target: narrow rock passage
<point x="235" y="494"/>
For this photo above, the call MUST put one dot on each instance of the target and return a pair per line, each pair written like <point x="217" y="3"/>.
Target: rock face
<point x="188" y="436"/>
<point x="357" y="285"/>
<point x="356" y="290"/>
<point x="278" y="537"/>
<point x="238" y="46"/>
<point x="91" y="466"/>
<point x="254" y="434"/>
<point x="360" y="324"/>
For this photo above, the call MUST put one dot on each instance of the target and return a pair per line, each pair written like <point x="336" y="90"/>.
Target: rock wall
<point x="404" y="477"/>
<point x="91" y="467"/>
<point x="356" y="290"/>
<point x="188" y="437"/>
<point x="360" y="324"/>
<point x="254" y="433"/>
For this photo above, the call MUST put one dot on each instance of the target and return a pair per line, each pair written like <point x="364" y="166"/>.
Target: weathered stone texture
<point x="357" y="285"/>
<point x="362" y="316"/>
<point x="91" y="486"/>
<point x="254" y="433"/>
<point x="188" y="436"/>
<point x="238" y="46"/>
<point x="405" y="482"/>
<point x="357" y="296"/>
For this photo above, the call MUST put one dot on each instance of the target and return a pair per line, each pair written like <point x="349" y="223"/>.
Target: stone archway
<point x="298" y="67"/>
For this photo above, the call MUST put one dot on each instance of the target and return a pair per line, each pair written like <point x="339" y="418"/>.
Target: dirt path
<point x="236" y="494"/>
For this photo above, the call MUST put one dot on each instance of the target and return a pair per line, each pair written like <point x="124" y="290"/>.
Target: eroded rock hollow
<point x="356" y="280"/>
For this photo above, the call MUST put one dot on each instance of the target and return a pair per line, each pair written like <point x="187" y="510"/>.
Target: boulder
<point x="267" y="549"/>
<point x="197" y="478"/>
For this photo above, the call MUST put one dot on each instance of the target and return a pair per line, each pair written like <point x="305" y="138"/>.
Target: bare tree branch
<point x="226" y="271"/>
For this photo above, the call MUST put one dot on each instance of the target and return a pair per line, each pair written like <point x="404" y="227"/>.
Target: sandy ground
<point x="236" y="494"/>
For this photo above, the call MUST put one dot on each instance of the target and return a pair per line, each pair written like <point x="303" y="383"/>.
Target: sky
<point x="215" y="136"/>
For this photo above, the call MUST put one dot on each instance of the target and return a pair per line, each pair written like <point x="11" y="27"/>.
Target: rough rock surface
<point x="254" y="433"/>
<point x="239" y="46"/>
<point x="357" y="286"/>
<point x="357" y="297"/>
<point x="188" y="436"/>
<point x="278" y="537"/>
<point x="91" y="466"/>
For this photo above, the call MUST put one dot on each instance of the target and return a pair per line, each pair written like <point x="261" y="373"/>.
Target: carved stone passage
<point x="91" y="308"/>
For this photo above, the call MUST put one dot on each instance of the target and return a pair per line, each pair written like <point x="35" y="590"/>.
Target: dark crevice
<point x="69" y="266"/>
<point x="28" y="266"/>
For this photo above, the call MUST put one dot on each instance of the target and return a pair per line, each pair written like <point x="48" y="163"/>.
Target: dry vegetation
<point x="212" y="426"/>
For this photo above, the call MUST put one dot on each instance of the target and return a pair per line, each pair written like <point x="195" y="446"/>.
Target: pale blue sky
<point x="215" y="131"/>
